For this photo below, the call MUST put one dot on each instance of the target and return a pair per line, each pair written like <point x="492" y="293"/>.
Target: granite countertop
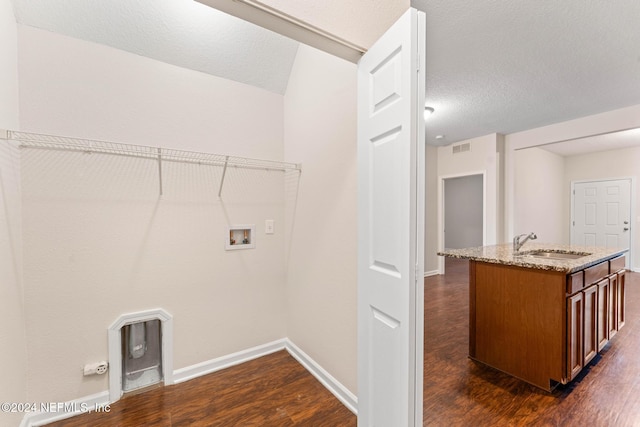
<point x="503" y="254"/>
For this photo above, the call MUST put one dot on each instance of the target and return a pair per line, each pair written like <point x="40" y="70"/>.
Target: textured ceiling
<point x="508" y="66"/>
<point x="179" y="32"/>
<point x="492" y="66"/>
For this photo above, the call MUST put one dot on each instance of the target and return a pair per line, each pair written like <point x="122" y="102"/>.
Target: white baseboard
<point x="66" y="410"/>
<point x="347" y="398"/>
<point x="89" y="403"/>
<point x="431" y="273"/>
<point x="213" y="365"/>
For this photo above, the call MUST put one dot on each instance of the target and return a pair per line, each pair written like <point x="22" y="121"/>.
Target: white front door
<point x="391" y="226"/>
<point x="602" y="213"/>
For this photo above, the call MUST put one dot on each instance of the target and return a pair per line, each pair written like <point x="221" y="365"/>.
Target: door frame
<point x="292" y="27"/>
<point x="632" y="214"/>
<point x="441" y="211"/>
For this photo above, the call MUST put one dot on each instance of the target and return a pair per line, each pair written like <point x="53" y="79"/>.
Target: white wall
<point x="623" y="163"/>
<point x="610" y="121"/>
<point x="13" y="355"/>
<point x="98" y="239"/>
<point x="482" y="158"/>
<point x="8" y="67"/>
<point x="540" y="194"/>
<point x="431" y="210"/>
<point x="320" y="131"/>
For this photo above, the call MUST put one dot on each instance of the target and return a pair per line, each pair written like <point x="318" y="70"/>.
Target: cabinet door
<point x="621" y="298"/>
<point x="575" y="322"/>
<point x="604" y="311"/>
<point x="613" y="305"/>
<point x="590" y="323"/>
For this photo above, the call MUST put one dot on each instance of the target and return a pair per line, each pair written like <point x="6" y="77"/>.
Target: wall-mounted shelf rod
<point x="160" y="169"/>
<point x="224" y="172"/>
<point x="28" y="140"/>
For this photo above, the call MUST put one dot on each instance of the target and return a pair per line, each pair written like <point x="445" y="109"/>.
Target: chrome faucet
<point x="517" y="244"/>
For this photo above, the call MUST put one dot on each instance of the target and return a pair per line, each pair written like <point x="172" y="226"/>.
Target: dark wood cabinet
<point x="590" y="350"/>
<point x="612" y="314"/>
<point x="543" y="326"/>
<point x="621" y="298"/>
<point x="575" y="342"/>
<point x="604" y="312"/>
<point x="602" y="305"/>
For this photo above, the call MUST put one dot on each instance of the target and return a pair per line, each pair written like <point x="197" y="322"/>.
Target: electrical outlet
<point x="98" y="368"/>
<point x="102" y="368"/>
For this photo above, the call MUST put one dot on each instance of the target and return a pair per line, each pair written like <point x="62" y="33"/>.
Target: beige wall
<point x="540" y="195"/>
<point x="613" y="164"/>
<point x="483" y="157"/>
<point x="360" y="22"/>
<point x="610" y="121"/>
<point x="320" y="131"/>
<point x="543" y="188"/>
<point x="98" y="239"/>
<point x="13" y="355"/>
<point x="8" y="67"/>
<point x="431" y="210"/>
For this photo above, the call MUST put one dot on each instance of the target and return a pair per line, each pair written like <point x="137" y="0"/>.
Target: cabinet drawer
<point x="616" y="264"/>
<point x="596" y="273"/>
<point x="575" y="282"/>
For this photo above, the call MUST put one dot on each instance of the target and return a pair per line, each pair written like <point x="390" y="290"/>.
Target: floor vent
<point x="461" y="148"/>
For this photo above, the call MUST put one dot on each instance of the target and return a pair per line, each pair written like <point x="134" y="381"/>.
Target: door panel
<point x="590" y="343"/>
<point x="390" y="217"/>
<point x="604" y="306"/>
<point x="602" y="213"/>
<point x="575" y="335"/>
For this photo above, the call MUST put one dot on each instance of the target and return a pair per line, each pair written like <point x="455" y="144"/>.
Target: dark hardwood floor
<point x="277" y="391"/>
<point x="274" y="390"/>
<point x="460" y="392"/>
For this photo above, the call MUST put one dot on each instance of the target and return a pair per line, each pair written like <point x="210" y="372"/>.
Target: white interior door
<point x="602" y="213"/>
<point x="391" y="226"/>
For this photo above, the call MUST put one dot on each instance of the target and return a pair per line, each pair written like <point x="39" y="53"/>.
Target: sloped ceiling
<point x="492" y="66"/>
<point x="179" y="32"/>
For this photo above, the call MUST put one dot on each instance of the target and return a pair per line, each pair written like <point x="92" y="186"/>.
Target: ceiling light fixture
<point x="427" y="112"/>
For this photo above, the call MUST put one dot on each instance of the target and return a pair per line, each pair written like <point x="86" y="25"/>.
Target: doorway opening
<point x="462" y="213"/>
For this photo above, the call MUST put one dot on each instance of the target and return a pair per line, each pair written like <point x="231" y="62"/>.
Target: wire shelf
<point x="63" y="143"/>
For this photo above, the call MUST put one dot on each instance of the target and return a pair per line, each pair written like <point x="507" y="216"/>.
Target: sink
<point x="555" y="255"/>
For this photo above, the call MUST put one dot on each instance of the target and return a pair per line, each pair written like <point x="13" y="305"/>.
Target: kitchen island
<point x="542" y="313"/>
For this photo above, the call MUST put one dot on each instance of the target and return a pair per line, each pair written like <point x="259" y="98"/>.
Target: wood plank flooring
<point x="460" y="392"/>
<point x="274" y="390"/>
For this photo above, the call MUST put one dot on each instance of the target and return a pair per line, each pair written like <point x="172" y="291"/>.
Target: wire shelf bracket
<point x="28" y="140"/>
<point x="224" y="172"/>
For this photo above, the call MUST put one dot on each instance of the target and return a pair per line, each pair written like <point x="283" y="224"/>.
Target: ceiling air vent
<point x="461" y="148"/>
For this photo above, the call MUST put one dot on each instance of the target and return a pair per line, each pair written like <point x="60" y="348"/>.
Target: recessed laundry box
<point x="141" y="354"/>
